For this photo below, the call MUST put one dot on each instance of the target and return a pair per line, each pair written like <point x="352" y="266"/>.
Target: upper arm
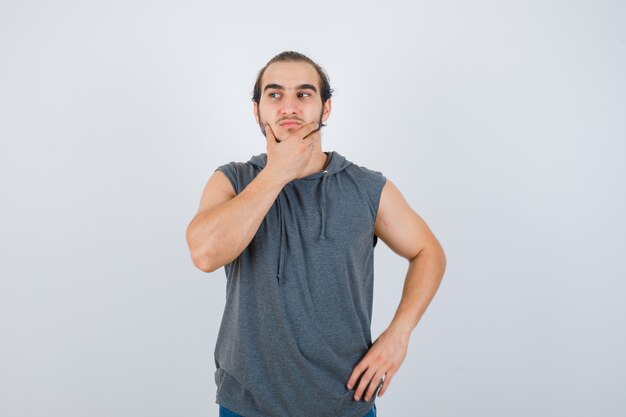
<point x="217" y="190"/>
<point x="399" y="226"/>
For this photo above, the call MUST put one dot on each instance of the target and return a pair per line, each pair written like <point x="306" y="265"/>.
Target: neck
<point x="317" y="162"/>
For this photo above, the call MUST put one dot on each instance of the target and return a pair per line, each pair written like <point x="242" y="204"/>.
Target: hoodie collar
<point x="336" y="163"/>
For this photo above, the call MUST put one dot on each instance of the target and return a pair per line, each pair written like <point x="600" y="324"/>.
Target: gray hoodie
<point x="299" y="297"/>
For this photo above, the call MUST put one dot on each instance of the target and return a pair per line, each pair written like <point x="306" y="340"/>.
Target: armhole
<point x="230" y="170"/>
<point x="379" y="184"/>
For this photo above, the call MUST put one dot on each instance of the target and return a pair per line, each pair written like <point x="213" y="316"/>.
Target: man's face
<point x="290" y="97"/>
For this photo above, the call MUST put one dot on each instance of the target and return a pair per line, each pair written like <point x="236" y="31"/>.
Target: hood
<point x="335" y="163"/>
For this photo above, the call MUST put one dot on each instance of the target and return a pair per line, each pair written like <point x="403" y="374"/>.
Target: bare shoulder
<point x="399" y="225"/>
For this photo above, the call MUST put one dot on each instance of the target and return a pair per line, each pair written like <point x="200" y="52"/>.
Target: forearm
<point x="217" y="236"/>
<point x="422" y="280"/>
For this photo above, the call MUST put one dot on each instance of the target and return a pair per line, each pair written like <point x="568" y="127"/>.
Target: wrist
<point x="272" y="178"/>
<point x="401" y="328"/>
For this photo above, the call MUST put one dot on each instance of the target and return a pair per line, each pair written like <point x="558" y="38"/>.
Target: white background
<point x="502" y="123"/>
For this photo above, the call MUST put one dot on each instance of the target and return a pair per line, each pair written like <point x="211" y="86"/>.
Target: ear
<point x="327" y="107"/>
<point x="255" y="109"/>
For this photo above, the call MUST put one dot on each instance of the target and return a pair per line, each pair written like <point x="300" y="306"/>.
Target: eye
<point x="274" y="94"/>
<point x="305" y="94"/>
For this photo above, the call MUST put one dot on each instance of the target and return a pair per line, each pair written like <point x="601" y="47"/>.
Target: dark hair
<point x="292" y="56"/>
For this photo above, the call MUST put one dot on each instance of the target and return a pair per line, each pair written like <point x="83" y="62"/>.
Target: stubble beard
<point x="262" y="124"/>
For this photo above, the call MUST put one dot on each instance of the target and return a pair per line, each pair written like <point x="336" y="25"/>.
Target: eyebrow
<point x="300" y="87"/>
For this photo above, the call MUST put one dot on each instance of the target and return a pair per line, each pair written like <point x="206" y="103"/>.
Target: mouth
<point x="290" y="123"/>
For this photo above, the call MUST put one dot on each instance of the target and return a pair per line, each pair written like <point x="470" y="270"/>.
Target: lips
<point x="290" y="123"/>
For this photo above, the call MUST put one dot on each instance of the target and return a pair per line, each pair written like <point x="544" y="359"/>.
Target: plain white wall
<point x="503" y="124"/>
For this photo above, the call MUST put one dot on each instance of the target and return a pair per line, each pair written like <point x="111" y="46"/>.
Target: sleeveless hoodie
<point x="299" y="298"/>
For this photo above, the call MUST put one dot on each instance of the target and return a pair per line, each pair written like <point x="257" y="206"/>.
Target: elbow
<point x="435" y="253"/>
<point x="439" y="255"/>
<point x="441" y="260"/>
<point x="201" y="259"/>
<point x="204" y="263"/>
<point x="199" y="255"/>
<point x="207" y="256"/>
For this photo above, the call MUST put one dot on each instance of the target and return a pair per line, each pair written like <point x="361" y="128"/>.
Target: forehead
<point x="290" y="74"/>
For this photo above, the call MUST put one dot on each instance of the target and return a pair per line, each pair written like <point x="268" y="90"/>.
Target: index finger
<point x="307" y="129"/>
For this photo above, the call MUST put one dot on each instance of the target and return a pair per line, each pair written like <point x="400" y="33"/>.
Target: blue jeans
<point x="225" y="412"/>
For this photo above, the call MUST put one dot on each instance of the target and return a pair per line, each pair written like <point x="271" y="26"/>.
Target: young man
<point x="295" y="229"/>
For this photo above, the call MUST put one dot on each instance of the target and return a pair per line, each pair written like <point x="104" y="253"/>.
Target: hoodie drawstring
<point x="323" y="234"/>
<point x="281" y="259"/>
<point x="281" y="245"/>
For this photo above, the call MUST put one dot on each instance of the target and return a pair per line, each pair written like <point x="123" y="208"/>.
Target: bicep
<point x="217" y="190"/>
<point x="399" y="226"/>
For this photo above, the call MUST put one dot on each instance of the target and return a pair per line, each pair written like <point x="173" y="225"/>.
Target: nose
<point x="289" y="105"/>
